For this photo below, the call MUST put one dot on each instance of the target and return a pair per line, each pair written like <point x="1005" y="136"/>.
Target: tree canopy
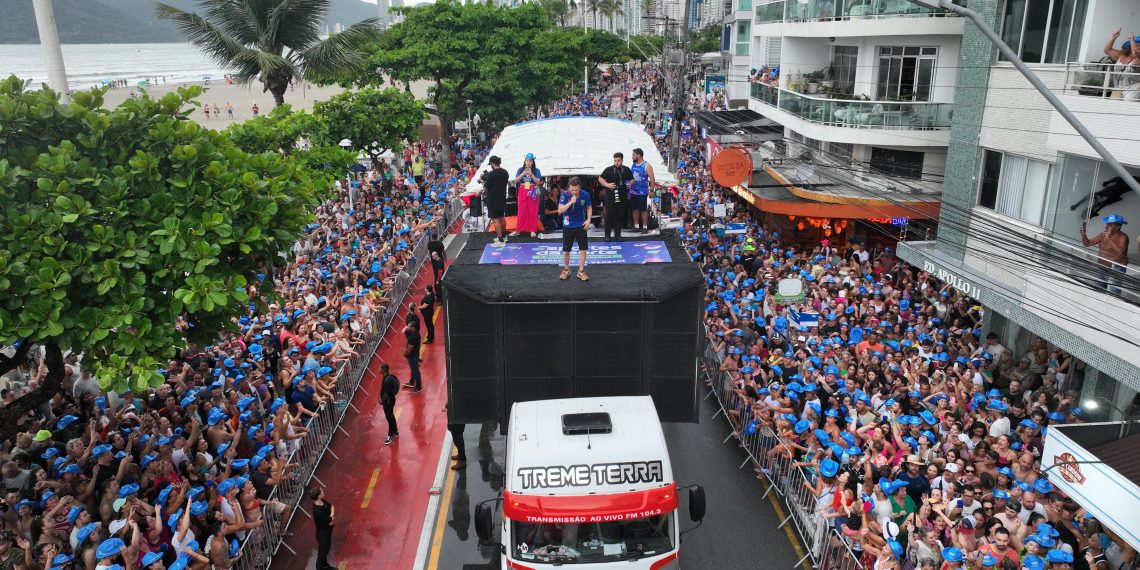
<point x="130" y="230"/>
<point x="374" y="120"/>
<point x="705" y="39"/>
<point x="276" y="41"/>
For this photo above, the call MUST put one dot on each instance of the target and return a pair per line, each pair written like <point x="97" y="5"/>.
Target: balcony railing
<point x="766" y="93"/>
<point x="904" y="115"/>
<point x="813" y="10"/>
<point x="1102" y="80"/>
<point x="771" y="12"/>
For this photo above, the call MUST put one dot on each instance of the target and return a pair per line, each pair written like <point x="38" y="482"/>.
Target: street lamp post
<point x="346" y="144"/>
<point x="1064" y="111"/>
<point x="1093" y="402"/>
<point x="469" y="126"/>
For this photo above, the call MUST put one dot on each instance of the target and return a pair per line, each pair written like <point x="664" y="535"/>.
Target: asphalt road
<point x="739" y="530"/>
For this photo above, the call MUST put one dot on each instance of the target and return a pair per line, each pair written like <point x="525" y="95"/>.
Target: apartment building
<point x="1020" y="183"/>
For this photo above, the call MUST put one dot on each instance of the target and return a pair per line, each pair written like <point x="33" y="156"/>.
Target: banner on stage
<point x="604" y="253"/>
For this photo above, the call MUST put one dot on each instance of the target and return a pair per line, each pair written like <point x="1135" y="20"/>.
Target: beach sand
<point x="242" y="97"/>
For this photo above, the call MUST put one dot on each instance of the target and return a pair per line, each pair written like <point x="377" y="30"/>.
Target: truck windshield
<point x="592" y="542"/>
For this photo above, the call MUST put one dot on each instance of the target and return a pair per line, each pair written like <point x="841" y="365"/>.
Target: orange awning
<point x="801" y="202"/>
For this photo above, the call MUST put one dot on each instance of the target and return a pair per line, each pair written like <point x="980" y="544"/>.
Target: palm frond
<point x="338" y="53"/>
<point x="231" y="16"/>
<point x="297" y="23"/>
<point x="251" y="63"/>
<point x="213" y="40"/>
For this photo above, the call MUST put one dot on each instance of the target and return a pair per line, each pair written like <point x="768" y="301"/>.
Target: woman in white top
<point x="1126" y="66"/>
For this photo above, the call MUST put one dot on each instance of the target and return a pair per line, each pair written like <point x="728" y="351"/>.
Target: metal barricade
<point x="261" y="543"/>
<point x="775" y="462"/>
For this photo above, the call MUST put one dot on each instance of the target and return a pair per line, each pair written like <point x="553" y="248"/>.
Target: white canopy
<point x="574" y="146"/>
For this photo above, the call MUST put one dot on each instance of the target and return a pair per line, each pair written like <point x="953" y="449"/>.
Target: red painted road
<point x="381" y="530"/>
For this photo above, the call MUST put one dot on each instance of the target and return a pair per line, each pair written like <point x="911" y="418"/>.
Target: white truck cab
<point x="588" y="483"/>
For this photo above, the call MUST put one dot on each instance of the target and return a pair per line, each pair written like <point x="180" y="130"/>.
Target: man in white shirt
<point x="999" y="424"/>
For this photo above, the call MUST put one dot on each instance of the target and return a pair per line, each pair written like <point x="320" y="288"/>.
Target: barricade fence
<point x="304" y="455"/>
<point x="793" y="481"/>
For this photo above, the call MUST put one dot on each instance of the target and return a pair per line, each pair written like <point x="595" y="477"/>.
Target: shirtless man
<point x="1112" y="248"/>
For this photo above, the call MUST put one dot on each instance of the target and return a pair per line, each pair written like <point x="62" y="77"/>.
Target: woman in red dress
<point x="528" y="179"/>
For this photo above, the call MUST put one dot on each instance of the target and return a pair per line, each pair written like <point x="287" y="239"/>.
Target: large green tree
<point x="275" y="41"/>
<point x="128" y="231"/>
<point x="304" y="137"/>
<point x="706" y="39"/>
<point x="479" y="52"/>
<point x="374" y="120"/>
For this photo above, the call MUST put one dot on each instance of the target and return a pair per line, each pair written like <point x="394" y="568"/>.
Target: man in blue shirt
<point x="576" y="209"/>
<point x="643" y="181"/>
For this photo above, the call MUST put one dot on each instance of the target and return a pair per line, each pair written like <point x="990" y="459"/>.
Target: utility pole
<point x="53" y="55"/>
<point x="682" y="90"/>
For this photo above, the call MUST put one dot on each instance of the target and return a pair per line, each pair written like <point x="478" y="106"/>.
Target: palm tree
<point x="557" y="10"/>
<point x="593" y="6"/>
<point x="275" y="41"/>
<point x="612" y="9"/>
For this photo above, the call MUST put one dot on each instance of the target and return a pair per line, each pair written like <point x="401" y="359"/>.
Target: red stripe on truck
<point x="590" y="508"/>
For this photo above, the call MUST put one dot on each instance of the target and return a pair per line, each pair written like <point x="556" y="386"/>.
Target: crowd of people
<point x="180" y="475"/>
<point x="919" y="432"/>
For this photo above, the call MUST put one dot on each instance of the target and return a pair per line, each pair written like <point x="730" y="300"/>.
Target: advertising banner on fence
<point x="628" y="252"/>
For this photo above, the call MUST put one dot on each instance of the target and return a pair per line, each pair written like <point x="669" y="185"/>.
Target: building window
<point x="1014" y="186"/>
<point x="743" y="37"/>
<point x="843" y="59"/>
<point x="902" y="163"/>
<point x="906" y="73"/>
<point x="1044" y="31"/>
<point x="843" y="152"/>
<point x="744" y="5"/>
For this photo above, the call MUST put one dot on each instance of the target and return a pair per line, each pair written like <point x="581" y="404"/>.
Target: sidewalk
<point x="379" y="492"/>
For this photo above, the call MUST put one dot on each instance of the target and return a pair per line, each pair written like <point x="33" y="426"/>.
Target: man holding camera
<point x="495" y="197"/>
<point x="615" y="179"/>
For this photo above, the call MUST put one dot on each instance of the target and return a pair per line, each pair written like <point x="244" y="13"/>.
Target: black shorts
<point x="494" y="212"/>
<point x="571" y="235"/>
<point x="638" y="203"/>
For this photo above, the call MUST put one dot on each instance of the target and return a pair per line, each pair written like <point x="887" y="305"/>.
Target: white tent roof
<point x="574" y="146"/>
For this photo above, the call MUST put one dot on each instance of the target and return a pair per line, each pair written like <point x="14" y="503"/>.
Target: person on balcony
<point x="1112" y="248"/>
<point x="1126" y="65"/>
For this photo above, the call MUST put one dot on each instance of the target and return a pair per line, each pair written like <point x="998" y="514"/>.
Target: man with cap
<point x="494" y="182"/>
<point x="1112" y="248"/>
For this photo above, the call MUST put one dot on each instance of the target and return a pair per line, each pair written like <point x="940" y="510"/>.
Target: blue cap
<point x="65" y="421"/>
<point x="1058" y="556"/>
<point x="199" y="508"/>
<point x="150" y="558"/>
<point x="74" y="514"/>
<point x="85" y="531"/>
<point x="128" y="490"/>
<point x="802" y="426"/>
<point x="109" y="548"/>
<point x="953" y="554"/>
<point x="1032" y="562"/>
<point x="989" y="560"/>
<point x="828" y="467"/>
<point x="1113" y="219"/>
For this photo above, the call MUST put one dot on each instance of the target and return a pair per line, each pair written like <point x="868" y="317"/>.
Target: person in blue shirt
<point x="643" y="180"/>
<point x="576" y="209"/>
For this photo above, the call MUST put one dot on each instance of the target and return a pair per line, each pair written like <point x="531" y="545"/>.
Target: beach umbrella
<point x="143" y="82"/>
<point x="205" y="78"/>
<point x="105" y="81"/>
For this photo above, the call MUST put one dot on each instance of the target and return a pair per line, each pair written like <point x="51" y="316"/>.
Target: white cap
<point x="116" y="526"/>
<point x="952" y="467"/>
<point x="890" y="530"/>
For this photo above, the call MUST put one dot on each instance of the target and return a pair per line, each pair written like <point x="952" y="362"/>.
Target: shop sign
<point x="900" y="222"/>
<point x="959" y="283"/>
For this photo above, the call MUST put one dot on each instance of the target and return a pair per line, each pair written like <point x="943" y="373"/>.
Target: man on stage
<point x="576" y="209"/>
<point x="615" y="180"/>
<point x="643" y="180"/>
<point x="495" y="198"/>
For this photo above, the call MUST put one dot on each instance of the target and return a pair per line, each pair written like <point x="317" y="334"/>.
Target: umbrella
<point x="205" y="78"/>
<point x="143" y="82"/>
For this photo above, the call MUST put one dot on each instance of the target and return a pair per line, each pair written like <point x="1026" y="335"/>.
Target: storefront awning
<point x="770" y="195"/>
<point x="1108" y="485"/>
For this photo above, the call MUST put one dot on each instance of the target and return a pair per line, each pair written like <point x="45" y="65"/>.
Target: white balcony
<point x="880" y="123"/>
<point x="848" y="18"/>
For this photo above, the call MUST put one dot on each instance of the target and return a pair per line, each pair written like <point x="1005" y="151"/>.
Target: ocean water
<point x="90" y="64"/>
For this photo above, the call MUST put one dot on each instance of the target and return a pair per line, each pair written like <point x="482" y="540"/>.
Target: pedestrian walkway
<point x="381" y="492"/>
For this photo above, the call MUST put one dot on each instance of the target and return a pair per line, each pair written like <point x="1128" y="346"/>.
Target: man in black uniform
<point x="389" y="387"/>
<point x="438" y="258"/>
<point x="323" y="513"/>
<point x="427" y="307"/>
<point x="615" y="181"/>
<point x="412" y="351"/>
<point x="495" y="191"/>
